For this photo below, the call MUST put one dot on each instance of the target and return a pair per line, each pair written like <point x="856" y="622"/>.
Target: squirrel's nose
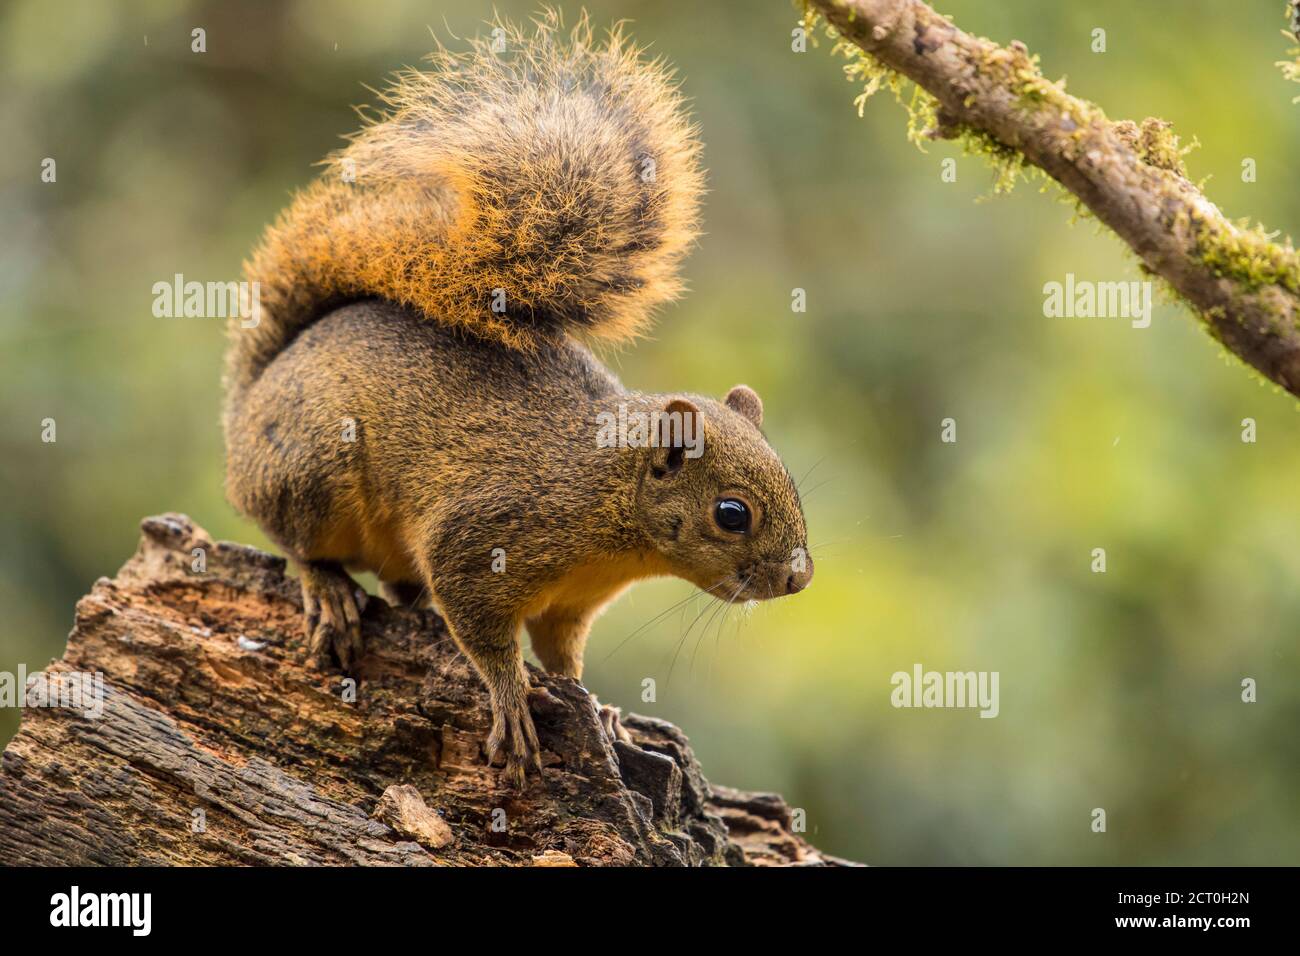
<point x="800" y="577"/>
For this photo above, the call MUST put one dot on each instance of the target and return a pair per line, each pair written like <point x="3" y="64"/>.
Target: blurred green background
<point x="1118" y="690"/>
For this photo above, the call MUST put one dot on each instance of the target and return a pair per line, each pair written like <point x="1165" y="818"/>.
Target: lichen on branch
<point x="994" y="100"/>
<point x="1291" y="67"/>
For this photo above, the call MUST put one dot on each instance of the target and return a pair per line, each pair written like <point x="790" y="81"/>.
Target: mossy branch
<point x="1291" y="67"/>
<point x="1243" y="283"/>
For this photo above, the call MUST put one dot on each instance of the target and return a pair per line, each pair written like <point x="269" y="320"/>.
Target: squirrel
<point x="417" y="396"/>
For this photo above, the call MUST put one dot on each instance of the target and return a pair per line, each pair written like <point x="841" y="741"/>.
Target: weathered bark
<point x="217" y="745"/>
<point x="1245" y="286"/>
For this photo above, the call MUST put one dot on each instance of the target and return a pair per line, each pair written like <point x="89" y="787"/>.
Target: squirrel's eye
<point x="732" y="515"/>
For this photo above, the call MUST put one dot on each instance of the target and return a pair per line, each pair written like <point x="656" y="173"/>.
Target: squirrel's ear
<point x="745" y="401"/>
<point x="679" y="434"/>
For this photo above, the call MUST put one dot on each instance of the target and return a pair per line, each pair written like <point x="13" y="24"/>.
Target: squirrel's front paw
<point x="610" y="721"/>
<point x="332" y="616"/>
<point x="514" y="737"/>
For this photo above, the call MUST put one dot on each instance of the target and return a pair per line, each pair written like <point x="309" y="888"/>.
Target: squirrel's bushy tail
<point x="540" y="185"/>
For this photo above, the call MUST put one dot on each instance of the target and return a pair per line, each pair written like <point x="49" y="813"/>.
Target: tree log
<point x="217" y="745"/>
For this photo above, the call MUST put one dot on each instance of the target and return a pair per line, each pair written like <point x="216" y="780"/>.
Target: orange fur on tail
<point x="549" y="188"/>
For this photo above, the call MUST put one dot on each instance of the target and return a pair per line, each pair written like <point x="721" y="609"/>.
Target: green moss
<point x="1156" y="143"/>
<point x="1036" y="94"/>
<point x="1248" y="255"/>
<point x="922" y="108"/>
<point x="1291" y="68"/>
<point x="1253" y="259"/>
<point x="1243" y="253"/>
<point x="1009" y="165"/>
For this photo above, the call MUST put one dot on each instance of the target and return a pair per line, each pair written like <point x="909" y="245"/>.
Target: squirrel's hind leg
<point x="332" y="613"/>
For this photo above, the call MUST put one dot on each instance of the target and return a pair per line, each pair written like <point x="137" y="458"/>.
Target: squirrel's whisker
<point x="682" y="640"/>
<point x="798" y="483"/>
<point x="725" y="608"/>
<point x="805" y="494"/>
<point x="722" y="623"/>
<point x="722" y="605"/>
<point x="699" y="592"/>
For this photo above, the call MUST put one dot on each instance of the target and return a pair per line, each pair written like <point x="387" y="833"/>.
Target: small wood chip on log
<point x="403" y="809"/>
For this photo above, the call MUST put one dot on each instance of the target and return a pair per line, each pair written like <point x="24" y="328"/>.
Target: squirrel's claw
<point x="514" y="736"/>
<point x="332" y="617"/>
<point x="609" y="716"/>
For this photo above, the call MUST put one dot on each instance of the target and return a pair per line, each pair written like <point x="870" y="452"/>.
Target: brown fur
<point x="564" y="174"/>
<point x="476" y="432"/>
